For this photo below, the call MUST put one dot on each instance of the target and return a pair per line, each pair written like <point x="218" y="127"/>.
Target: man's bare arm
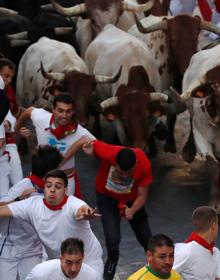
<point x="5" y="212"/>
<point x="138" y="203"/>
<point x="74" y="148"/>
<point x="23" y="118"/>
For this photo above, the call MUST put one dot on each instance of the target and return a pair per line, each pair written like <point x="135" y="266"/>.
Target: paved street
<point x="177" y="189"/>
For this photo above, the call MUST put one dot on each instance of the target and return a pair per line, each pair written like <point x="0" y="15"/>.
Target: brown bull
<point x="135" y="108"/>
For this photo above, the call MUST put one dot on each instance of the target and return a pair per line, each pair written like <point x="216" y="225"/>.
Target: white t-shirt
<point x="55" y="226"/>
<point x="51" y="270"/>
<point x="23" y="240"/>
<point x="41" y="121"/>
<point x="194" y="262"/>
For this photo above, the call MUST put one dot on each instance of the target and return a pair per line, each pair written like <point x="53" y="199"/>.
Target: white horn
<point x="162" y="25"/>
<point x="138" y="8"/>
<point x="72" y="11"/>
<point x="186" y="94"/>
<point x="108" y="79"/>
<point x="16" y="36"/>
<point x="158" y="96"/>
<point x="47" y="8"/>
<point x="5" y="11"/>
<point x="210" y="27"/>
<point x="63" y="30"/>
<point x="51" y="76"/>
<point x="112" y="101"/>
<point x="19" y="43"/>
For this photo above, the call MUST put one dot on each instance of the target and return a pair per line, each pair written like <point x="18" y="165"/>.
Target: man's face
<point x="54" y="190"/>
<point x="63" y="113"/>
<point x="71" y="264"/>
<point x="161" y="260"/>
<point x="7" y="75"/>
<point x="124" y="174"/>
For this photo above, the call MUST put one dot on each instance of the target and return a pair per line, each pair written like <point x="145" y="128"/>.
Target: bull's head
<point x="207" y="86"/>
<point x="102" y="12"/>
<point x="135" y="106"/>
<point x="80" y="86"/>
<point x="182" y="34"/>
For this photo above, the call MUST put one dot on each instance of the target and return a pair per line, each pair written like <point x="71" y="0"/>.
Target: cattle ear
<point x="53" y="90"/>
<point x="110" y="114"/>
<point x="198" y="94"/>
<point x="197" y="17"/>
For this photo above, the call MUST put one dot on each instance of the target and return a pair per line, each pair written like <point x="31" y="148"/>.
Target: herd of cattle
<point x="126" y="59"/>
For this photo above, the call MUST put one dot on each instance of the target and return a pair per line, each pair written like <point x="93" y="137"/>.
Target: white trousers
<point x="16" y="173"/>
<point x="4" y="175"/>
<point x="98" y="266"/>
<point x="182" y="7"/>
<point x="9" y="270"/>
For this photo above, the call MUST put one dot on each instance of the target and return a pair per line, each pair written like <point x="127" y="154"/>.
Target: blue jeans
<point x="111" y="220"/>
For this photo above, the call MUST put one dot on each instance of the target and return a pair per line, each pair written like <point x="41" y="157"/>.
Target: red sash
<point x="62" y="130"/>
<point x="37" y="181"/>
<point x="58" y="206"/>
<point x="195" y="237"/>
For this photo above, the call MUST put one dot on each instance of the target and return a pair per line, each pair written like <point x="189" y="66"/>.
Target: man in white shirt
<point x="4" y="157"/>
<point x="59" y="129"/>
<point x="197" y="258"/>
<point x="69" y="266"/>
<point x="20" y="246"/>
<point x="57" y="217"/>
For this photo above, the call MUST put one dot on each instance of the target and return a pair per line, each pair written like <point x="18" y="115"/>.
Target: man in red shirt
<point x="122" y="186"/>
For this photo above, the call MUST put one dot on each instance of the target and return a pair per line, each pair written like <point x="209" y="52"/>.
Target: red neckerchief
<point x="62" y="130"/>
<point x="39" y="182"/>
<point x="58" y="206"/>
<point x="10" y="137"/>
<point x="195" y="237"/>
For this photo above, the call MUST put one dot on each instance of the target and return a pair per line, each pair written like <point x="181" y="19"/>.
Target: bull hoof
<point x="189" y="153"/>
<point x="170" y="148"/>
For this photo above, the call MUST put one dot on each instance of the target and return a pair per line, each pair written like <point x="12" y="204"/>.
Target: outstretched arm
<point x="74" y="148"/>
<point x="85" y="213"/>
<point x="5" y="212"/>
<point x="23" y="118"/>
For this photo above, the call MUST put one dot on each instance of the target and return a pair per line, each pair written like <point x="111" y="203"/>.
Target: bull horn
<point x="187" y="94"/>
<point x="178" y="106"/>
<point x="16" y="36"/>
<point x="135" y="7"/>
<point x="162" y="25"/>
<point x="5" y="11"/>
<point x="63" y="30"/>
<point x="157" y="96"/>
<point x="210" y="27"/>
<point x="72" y="11"/>
<point x="19" y="43"/>
<point x="51" y="76"/>
<point x="47" y="8"/>
<point x="112" y="101"/>
<point x="107" y="79"/>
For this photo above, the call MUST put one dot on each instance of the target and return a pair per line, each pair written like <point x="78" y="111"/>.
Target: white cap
<point x="2" y="83"/>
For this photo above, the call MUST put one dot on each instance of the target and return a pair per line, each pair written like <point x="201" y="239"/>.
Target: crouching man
<point x="69" y="266"/>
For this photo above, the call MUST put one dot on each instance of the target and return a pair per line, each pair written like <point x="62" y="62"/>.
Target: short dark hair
<point x="125" y="159"/>
<point x="203" y="217"/>
<point x="159" y="240"/>
<point x="72" y="246"/>
<point x="6" y="62"/>
<point x="56" y="173"/>
<point x="64" y="98"/>
<point x="45" y="159"/>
